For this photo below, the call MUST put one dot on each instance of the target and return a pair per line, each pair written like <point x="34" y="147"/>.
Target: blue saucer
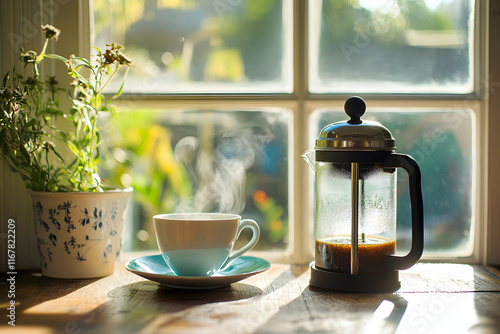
<point x="154" y="268"/>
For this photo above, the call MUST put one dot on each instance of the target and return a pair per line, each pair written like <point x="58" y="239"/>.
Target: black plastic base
<point x="386" y="281"/>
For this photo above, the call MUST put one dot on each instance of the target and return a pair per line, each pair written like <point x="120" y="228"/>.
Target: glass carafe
<point x="376" y="217"/>
<point x="354" y="164"/>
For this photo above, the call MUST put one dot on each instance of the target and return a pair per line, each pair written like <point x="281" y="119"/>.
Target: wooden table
<point x="434" y="298"/>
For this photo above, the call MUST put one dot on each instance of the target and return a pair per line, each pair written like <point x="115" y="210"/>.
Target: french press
<point x="355" y="205"/>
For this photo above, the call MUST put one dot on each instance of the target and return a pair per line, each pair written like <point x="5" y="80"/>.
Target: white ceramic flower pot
<point x="79" y="234"/>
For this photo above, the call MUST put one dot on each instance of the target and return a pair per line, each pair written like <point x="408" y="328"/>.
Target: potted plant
<point x="78" y="220"/>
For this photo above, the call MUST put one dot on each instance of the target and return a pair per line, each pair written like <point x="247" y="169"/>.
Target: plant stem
<point x="39" y="58"/>
<point x="108" y="81"/>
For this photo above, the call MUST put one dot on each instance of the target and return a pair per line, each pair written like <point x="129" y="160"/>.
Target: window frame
<point x="301" y="103"/>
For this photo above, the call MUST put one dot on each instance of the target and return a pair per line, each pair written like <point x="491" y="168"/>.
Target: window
<point x="392" y="47"/>
<point x="210" y="73"/>
<point x="202" y="161"/>
<point x="196" y="46"/>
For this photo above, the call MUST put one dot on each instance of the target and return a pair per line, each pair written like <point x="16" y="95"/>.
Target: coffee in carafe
<point x="334" y="253"/>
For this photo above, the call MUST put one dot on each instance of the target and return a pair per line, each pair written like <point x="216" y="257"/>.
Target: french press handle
<point x="409" y="164"/>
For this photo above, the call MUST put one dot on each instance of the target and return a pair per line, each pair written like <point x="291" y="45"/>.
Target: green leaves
<point x="33" y="129"/>
<point x="73" y="148"/>
<point x="54" y="56"/>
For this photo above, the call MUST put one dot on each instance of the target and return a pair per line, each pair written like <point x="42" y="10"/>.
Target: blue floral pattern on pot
<point x="79" y="234"/>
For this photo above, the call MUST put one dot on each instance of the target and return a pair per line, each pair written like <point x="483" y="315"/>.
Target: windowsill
<point x="446" y="298"/>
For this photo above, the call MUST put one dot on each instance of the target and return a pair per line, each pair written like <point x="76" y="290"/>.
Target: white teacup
<point x="199" y="244"/>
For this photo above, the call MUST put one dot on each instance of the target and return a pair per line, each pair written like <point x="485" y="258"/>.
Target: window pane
<point x="378" y="46"/>
<point x="201" y="46"/>
<point x="201" y="161"/>
<point x="442" y="143"/>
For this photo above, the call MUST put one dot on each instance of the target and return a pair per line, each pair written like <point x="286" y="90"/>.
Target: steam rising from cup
<point x="218" y="172"/>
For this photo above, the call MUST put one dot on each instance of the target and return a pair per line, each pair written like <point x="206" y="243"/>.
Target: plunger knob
<point x="355" y="107"/>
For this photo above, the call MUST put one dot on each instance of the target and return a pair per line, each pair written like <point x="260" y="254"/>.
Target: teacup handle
<point x="255" y="237"/>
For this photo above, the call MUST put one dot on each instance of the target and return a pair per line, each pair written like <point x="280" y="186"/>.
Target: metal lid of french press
<point x="355" y="134"/>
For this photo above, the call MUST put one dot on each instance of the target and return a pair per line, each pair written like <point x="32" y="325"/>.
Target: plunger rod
<point x="354" y="218"/>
